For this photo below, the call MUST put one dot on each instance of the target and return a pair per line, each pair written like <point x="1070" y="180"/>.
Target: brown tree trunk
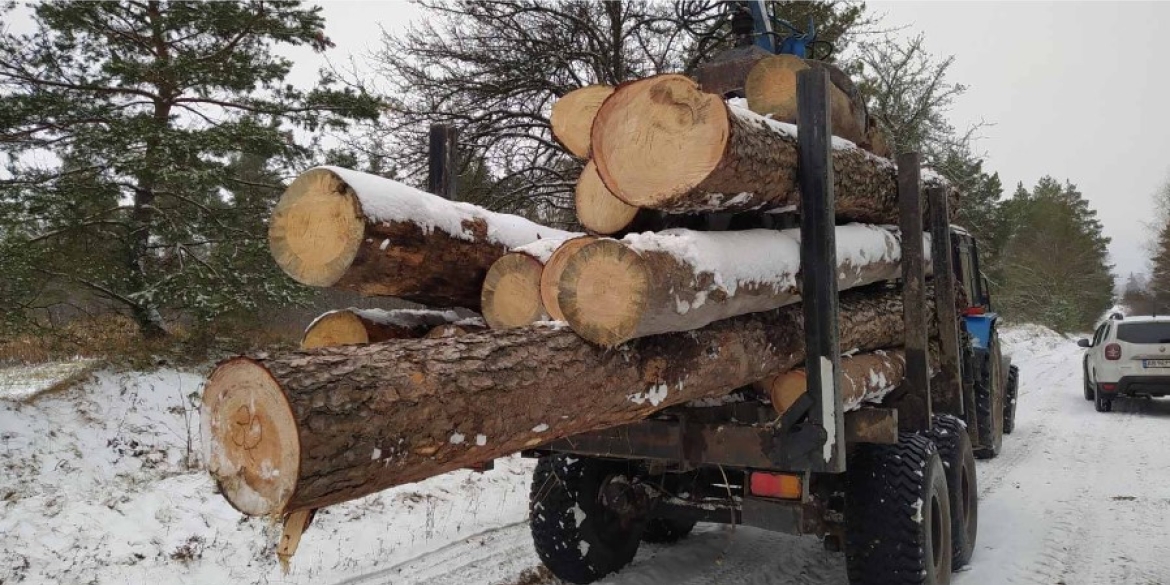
<point x="307" y="429"/>
<point x="661" y="143"/>
<point x="612" y="291"/>
<point x="572" y="117"/>
<point x="864" y="378"/>
<point x="344" y="229"/>
<point x="358" y="326"/>
<point x="771" y="90"/>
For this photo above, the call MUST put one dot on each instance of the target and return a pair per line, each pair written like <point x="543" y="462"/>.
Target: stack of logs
<point x="579" y="331"/>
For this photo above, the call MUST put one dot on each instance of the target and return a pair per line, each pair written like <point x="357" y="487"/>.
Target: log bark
<point x="511" y="290"/>
<point x="612" y="291"/>
<point x="339" y="228"/>
<point x="661" y="143"/>
<point x="356" y="326"/>
<point x="771" y="90"/>
<point x="863" y="377"/>
<point x="455" y="330"/>
<point x="307" y="429"/>
<point x="572" y="117"/>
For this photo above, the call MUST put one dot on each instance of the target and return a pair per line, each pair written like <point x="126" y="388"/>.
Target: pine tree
<point x="147" y="108"/>
<point x="1055" y="262"/>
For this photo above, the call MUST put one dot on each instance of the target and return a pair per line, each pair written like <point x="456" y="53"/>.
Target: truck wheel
<point x="1102" y="403"/>
<point x="954" y="448"/>
<point x="898" y="515"/>
<point x="1011" y="394"/>
<point x="667" y="530"/>
<point x="577" y="536"/>
<point x="989" y="401"/>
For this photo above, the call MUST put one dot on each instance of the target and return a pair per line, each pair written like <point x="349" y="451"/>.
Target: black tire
<point x="989" y="400"/>
<point x="667" y="530"/>
<point x="897" y="515"/>
<point x="575" y="535"/>
<point x="1102" y="403"/>
<point x="1011" y="395"/>
<point x="954" y="448"/>
<point x="1090" y="395"/>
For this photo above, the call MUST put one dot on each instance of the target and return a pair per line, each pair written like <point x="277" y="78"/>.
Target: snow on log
<point x="356" y="326"/>
<point x="864" y="378"/>
<point x="511" y="290"/>
<point x="661" y="143"/>
<point x="572" y="117"/>
<point x="771" y="91"/>
<point x="550" y="277"/>
<point x="307" y="429"/>
<point x="339" y="228"/>
<point x="612" y="291"/>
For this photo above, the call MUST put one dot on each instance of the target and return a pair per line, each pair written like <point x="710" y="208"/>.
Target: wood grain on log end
<point x="771" y="86"/>
<point x="598" y="209"/>
<point x="550" y="277"/>
<point x="511" y="292"/>
<point x="661" y="110"/>
<point x="316" y="229"/>
<point x="336" y="328"/>
<point x="603" y="291"/>
<point x="572" y="117"/>
<point x="253" y="449"/>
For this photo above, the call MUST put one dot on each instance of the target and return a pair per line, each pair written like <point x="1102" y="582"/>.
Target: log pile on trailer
<point x="579" y="332"/>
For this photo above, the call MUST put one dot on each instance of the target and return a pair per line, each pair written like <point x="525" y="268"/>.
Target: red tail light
<point x="1112" y="352"/>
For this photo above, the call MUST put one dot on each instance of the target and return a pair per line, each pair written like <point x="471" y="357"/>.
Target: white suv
<point x="1127" y="357"/>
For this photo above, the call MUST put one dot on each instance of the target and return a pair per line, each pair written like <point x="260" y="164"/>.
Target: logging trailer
<point x="893" y="485"/>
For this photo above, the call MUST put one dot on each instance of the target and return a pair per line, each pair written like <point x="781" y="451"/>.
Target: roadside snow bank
<point x="103" y="484"/>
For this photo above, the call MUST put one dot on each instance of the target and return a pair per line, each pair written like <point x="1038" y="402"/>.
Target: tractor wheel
<point x="578" y="533"/>
<point x="667" y="530"/>
<point x="954" y="447"/>
<point x="898" y="515"/>
<point x="989" y="400"/>
<point x="1011" y="395"/>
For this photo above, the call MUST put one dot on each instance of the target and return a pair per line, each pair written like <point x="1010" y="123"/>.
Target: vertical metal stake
<point x="947" y="394"/>
<point x="914" y="408"/>
<point x="442" y="179"/>
<point x="818" y="264"/>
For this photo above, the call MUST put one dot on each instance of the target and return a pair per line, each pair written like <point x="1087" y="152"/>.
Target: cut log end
<point x="603" y="292"/>
<point x="598" y="209"/>
<point x="316" y="228"/>
<point x="550" y="277"/>
<point x="666" y="109"/>
<point x="511" y="292"/>
<point x="572" y="117"/>
<point x="336" y="328"/>
<point x="771" y="86"/>
<point x="253" y="450"/>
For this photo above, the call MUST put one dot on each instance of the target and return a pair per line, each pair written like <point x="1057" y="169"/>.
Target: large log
<point x="572" y="117"/>
<point x="661" y="143"/>
<point x="356" y="326"/>
<point x="771" y="91"/>
<point x="339" y="228"/>
<point x="550" y="277"/>
<point x="598" y="209"/>
<point x="307" y="429"/>
<point x="612" y="291"/>
<point x="863" y="378"/>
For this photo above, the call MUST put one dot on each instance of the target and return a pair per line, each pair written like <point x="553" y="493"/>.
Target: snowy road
<point x="1077" y="498"/>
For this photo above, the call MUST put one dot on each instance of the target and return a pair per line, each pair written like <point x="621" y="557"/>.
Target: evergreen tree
<point x="979" y="201"/>
<point x="1054" y="265"/>
<point x="125" y="124"/>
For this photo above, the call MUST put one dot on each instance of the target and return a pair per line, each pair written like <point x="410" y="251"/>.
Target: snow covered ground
<point x="100" y="484"/>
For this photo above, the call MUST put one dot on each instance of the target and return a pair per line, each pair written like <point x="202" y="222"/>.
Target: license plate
<point x="1156" y="363"/>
